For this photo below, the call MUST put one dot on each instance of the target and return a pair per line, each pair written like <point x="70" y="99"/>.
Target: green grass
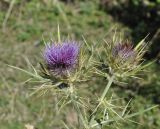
<point x="26" y="27"/>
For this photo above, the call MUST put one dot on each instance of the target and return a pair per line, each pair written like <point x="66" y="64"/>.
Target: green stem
<point x="103" y="95"/>
<point x="79" y="113"/>
<point x="107" y="88"/>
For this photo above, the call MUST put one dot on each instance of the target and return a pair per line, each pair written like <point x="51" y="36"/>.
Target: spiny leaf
<point x="25" y="71"/>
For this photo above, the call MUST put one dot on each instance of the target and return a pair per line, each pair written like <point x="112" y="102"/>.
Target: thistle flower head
<point x="61" y="58"/>
<point x="124" y="51"/>
<point x="122" y="58"/>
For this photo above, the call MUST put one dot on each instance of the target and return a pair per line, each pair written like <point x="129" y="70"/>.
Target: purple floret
<point x="123" y="51"/>
<point x="61" y="58"/>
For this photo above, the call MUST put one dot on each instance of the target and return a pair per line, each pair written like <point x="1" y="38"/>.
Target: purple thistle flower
<point x="124" y="51"/>
<point x="61" y="58"/>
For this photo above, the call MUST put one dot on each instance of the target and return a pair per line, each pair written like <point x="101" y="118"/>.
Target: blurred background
<point x="25" y="24"/>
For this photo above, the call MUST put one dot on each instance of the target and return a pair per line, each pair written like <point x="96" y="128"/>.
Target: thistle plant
<point x="67" y="64"/>
<point x="118" y="60"/>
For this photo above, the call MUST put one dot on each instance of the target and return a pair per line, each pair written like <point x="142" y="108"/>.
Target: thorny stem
<point x="103" y="94"/>
<point x="107" y="88"/>
<point x="125" y="117"/>
<point x="76" y="106"/>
